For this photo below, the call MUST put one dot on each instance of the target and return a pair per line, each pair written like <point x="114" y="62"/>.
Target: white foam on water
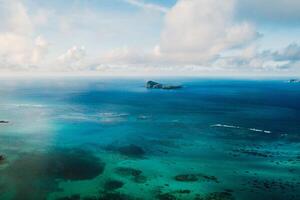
<point x="113" y="114"/>
<point x="267" y="132"/>
<point x="255" y="130"/>
<point x="102" y="117"/>
<point x="238" y="127"/>
<point x="260" y="130"/>
<point x="111" y="117"/>
<point x="28" y="105"/>
<point x="77" y="117"/>
<point x="225" y="126"/>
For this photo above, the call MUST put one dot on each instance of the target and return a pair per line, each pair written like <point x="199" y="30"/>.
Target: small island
<point x="294" y="81"/>
<point x="155" y="85"/>
<point x="4" y="122"/>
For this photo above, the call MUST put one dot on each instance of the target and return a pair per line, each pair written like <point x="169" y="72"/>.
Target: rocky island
<point x="155" y="85"/>
<point x="294" y="81"/>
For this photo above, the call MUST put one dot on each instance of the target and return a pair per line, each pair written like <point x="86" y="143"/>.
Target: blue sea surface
<point x="109" y="138"/>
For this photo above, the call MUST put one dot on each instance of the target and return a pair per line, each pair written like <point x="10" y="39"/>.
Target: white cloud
<point x="149" y="6"/>
<point x="73" y="59"/>
<point x="18" y="52"/>
<point x="243" y="60"/>
<point x="199" y="30"/>
<point x="195" y="32"/>
<point x="127" y="56"/>
<point x="14" y="17"/>
<point x="197" y="36"/>
<point x="14" y="49"/>
<point x="291" y="53"/>
<point x="195" y="39"/>
<point x="11" y="43"/>
<point x="40" y="49"/>
<point x="20" y="49"/>
<point x="42" y="16"/>
<point x="253" y="59"/>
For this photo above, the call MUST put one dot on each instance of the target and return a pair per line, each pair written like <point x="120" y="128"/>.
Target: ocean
<point x="108" y="138"/>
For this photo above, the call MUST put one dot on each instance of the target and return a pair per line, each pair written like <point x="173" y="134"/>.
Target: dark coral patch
<point x="35" y="175"/>
<point x="128" y="171"/>
<point x="2" y="159"/>
<point x="140" y="179"/>
<point x="113" y="185"/>
<point x="165" y="196"/>
<point x="73" y="197"/>
<point x="134" y="174"/>
<point x="183" y="191"/>
<point x="64" y="164"/>
<point x="187" y="178"/>
<point x="131" y="151"/>
<point x="195" y="177"/>
<point x="219" y="196"/>
<point x="203" y="177"/>
<point x="114" y="196"/>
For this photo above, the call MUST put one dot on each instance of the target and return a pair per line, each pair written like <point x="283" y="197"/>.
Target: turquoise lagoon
<point x="96" y="138"/>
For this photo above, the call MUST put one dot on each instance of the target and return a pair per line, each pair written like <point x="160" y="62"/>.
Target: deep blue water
<point x="212" y="139"/>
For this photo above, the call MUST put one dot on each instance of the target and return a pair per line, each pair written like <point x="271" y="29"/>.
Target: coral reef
<point x="113" y="184"/>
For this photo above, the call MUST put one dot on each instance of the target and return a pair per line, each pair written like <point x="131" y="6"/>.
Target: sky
<point x="150" y="37"/>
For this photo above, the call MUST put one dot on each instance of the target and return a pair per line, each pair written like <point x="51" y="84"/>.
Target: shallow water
<point x="88" y="138"/>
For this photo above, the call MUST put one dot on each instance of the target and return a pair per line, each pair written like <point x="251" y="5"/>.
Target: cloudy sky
<point x="143" y="37"/>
